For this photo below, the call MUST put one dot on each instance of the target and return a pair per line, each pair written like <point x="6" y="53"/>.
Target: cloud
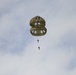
<point x="19" y="54"/>
<point x="36" y="62"/>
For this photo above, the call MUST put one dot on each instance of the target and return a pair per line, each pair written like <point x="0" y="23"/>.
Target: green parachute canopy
<point x="37" y="26"/>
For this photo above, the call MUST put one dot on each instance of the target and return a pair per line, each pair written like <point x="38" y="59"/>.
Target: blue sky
<point x="18" y="48"/>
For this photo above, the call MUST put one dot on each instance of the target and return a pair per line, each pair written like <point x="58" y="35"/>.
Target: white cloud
<point x="53" y="58"/>
<point x="36" y="62"/>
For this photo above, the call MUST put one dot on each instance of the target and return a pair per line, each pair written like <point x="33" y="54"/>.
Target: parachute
<point x="38" y="27"/>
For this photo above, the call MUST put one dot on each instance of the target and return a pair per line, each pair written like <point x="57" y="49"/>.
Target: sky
<point x="19" y="54"/>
